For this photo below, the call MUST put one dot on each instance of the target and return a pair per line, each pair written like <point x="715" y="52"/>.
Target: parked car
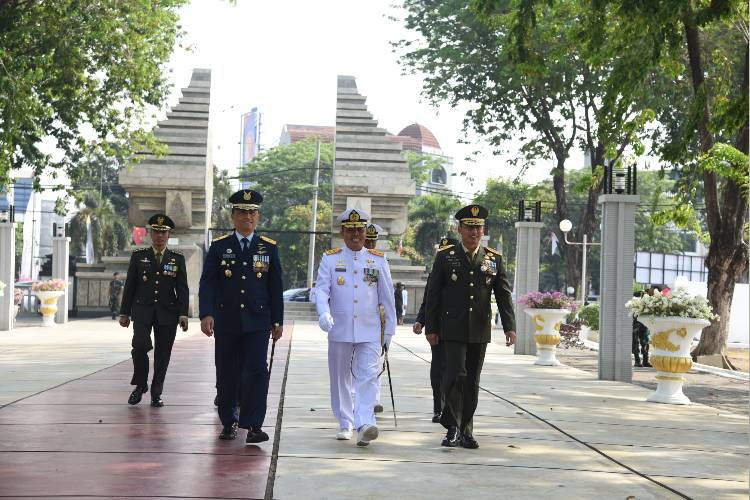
<point x="297" y="295"/>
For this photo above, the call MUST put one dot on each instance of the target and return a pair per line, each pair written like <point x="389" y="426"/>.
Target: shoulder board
<point x="222" y="237"/>
<point x="268" y="240"/>
<point x="333" y="251"/>
<point x="446" y="247"/>
<point x="376" y="252"/>
<point x="175" y="251"/>
<point x="141" y="249"/>
<point x="492" y="251"/>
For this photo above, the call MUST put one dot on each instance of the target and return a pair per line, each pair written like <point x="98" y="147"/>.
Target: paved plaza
<point x="67" y="432"/>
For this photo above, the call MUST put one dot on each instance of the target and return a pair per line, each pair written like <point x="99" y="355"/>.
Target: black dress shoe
<point x="156" y="401"/>
<point x="451" y="438"/>
<point x="468" y="441"/>
<point x="436" y="417"/>
<point x="229" y="432"/>
<point x="256" y="435"/>
<point x="136" y="395"/>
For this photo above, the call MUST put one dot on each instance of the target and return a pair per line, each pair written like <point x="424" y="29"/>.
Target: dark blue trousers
<point x="241" y="366"/>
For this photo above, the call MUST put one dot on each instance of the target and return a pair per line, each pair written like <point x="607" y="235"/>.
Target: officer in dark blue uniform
<point x="156" y="295"/>
<point x="241" y="302"/>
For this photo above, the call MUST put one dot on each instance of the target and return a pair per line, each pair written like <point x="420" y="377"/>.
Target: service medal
<point x="145" y="278"/>
<point x="340" y="280"/>
<point x="454" y="277"/>
<point x="223" y="263"/>
<point x="259" y="275"/>
<point x="228" y="273"/>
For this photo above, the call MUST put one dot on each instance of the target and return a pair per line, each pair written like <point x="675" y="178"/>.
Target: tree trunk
<point x="727" y="255"/>
<point x="571" y="253"/>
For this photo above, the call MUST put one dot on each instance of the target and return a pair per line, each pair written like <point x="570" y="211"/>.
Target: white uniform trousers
<point x="353" y="369"/>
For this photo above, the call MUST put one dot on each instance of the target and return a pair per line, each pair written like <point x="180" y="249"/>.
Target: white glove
<point x="325" y="321"/>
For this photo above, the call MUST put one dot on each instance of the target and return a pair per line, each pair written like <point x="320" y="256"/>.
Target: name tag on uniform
<point x="371" y="275"/>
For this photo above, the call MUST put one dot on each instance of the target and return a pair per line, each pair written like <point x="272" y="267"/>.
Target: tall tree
<point x="110" y="230"/>
<point x="548" y="100"/>
<point x="703" y="47"/>
<point x="432" y="217"/>
<point x="83" y="74"/>
<point x="284" y="176"/>
<point x="99" y="174"/>
<point x="221" y="212"/>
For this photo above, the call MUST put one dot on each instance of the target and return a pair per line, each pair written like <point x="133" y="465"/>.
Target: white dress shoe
<point x="366" y="434"/>
<point x="344" y="434"/>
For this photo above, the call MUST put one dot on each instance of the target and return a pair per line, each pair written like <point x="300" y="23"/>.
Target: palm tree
<point x="111" y="231"/>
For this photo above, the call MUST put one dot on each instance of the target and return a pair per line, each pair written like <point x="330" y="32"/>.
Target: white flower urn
<point x="547" y="324"/>
<point x="671" y="338"/>
<point x="49" y="305"/>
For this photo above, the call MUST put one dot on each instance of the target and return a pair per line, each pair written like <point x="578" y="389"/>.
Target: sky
<point x="283" y="56"/>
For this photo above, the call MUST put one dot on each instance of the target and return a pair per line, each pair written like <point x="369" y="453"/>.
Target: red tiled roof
<point x="407" y="143"/>
<point x="301" y="132"/>
<point x="422" y="135"/>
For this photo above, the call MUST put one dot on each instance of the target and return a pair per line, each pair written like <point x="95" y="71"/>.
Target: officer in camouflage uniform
<point x="115" y="287"/>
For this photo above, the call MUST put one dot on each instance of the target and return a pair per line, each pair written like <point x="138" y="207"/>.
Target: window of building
<point x="439" y="176"/>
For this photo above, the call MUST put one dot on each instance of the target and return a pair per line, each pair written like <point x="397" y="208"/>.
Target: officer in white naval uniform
<point x="352" y="283"/>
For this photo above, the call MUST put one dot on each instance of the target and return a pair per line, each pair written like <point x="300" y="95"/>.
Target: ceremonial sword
<point x="387" y="364"/>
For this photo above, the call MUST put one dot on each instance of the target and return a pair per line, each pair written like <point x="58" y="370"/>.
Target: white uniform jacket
<point x="350" y="286"/>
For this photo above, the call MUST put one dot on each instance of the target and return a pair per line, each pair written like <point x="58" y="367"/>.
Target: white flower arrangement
<point x="677" y="302"/>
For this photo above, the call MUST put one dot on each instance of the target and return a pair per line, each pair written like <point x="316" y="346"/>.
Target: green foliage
<point x="97" y="173"/>
<point x="728" y="163"/>
<point x="83" y="74"/>
<point x="294" y="247"/>
<point x="431" y="216"/>
<point x="284" y="176"/>
<point x="589" y="316"/>
<point x="221" y="212"/>
<point x="654" y="229"/>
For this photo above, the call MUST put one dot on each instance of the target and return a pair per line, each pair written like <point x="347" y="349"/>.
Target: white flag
<point x="553" y="242"/>
<point x="90" y="259"/>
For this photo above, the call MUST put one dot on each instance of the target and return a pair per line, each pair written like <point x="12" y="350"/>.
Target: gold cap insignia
<point x="354" y="216"/>
<point x="475" y="210"/>
<point x="247" y="196"/>
<point x="160" y="220"/>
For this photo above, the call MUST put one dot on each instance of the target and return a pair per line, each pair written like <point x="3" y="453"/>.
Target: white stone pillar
<point x="616" y="288"/>
<point x="60" y="271"/>
<point x="7" y="274"/>
<point x="526" y="280"/>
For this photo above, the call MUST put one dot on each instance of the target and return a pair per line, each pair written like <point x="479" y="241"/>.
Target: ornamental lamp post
<point x="565" y="227"/>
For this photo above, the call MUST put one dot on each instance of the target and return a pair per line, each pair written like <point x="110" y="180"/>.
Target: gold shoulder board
<point x="376" y="252"/>
<point x="268" y="240"/>
<point x="222" y="237"/>
<point x="446" y="247"/>
<point x="333" y="251"/>
<point x="493" y="251"/>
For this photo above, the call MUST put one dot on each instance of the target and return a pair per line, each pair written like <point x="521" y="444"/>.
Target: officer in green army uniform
<point x="459" y="314"/>
<point x="156" y="295"/>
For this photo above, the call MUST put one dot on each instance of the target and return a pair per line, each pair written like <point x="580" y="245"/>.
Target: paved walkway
<point x="79" y="438"/>
<point x="543" y="431"/>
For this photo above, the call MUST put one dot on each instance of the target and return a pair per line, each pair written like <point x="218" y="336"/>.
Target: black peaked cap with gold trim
<point x="160" y="222"/>
<point x="372" y="230"/>
<point x="246" y="199"/>
<point x="472" y="215"/>
<point x="444" y="242"/>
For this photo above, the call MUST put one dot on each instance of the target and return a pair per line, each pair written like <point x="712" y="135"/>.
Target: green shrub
<point x="589" y="315"/>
